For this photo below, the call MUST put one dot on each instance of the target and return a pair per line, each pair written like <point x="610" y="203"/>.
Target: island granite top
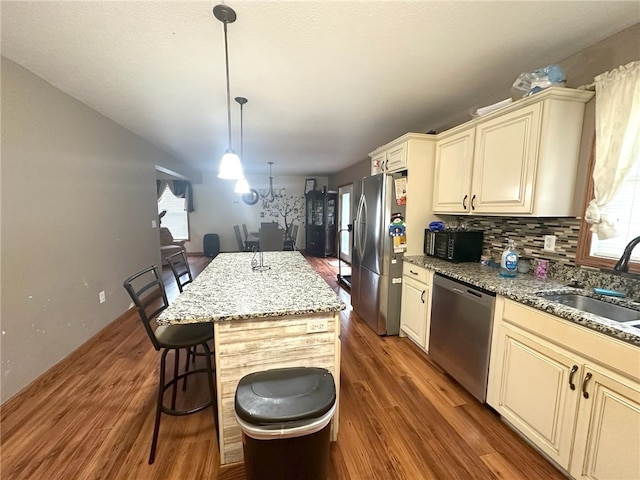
<point x="230" y="289"/>
<point x="526" y="288"/>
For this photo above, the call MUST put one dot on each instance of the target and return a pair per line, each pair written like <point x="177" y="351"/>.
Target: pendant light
<point x="230" y="166"/>
<point x="242" y="186"/>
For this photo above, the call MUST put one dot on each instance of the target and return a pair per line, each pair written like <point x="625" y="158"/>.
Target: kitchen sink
<point x="595" y="306"/>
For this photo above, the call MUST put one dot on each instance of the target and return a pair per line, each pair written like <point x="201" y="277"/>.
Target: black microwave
<point x="454" y="245"/>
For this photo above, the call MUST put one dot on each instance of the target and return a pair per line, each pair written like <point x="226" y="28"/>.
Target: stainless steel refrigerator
<point x="376" y="271"/>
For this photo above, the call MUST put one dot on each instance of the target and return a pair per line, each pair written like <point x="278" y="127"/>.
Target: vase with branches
<point x="288" y="207"/>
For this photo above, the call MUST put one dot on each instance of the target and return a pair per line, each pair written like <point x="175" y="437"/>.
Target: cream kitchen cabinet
<point x="378" y="162"/>
<point x="413" y="152"/>
<point x="395" y="156"/>
<point x="415" y="313"/>
<point x="452" y="177"/>
<point x="607" y="438"/>
<point x="573" y="392"/>
<point x="392" y="158"/>
<point x="520" y="160"/>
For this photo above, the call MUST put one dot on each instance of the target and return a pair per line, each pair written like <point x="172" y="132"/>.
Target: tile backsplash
<point x="528" y="233"/>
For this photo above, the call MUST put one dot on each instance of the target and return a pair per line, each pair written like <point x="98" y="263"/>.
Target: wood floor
<point x="401" y="417"/>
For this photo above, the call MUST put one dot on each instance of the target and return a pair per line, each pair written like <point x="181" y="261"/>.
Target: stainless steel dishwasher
<point x="460" y="338"/>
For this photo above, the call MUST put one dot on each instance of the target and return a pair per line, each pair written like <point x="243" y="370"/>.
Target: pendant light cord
<point x="241" y="134"/>
<point x="226" y="58"/>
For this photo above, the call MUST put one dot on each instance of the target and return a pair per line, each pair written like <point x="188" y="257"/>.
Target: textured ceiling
<point x="327" y="82"/>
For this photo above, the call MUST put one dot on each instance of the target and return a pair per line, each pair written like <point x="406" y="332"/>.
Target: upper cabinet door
<point x="452" y="178"/>
<point x="378" y="162"/>
<point x="504" y="164"/>
<point x="396" y="158"/>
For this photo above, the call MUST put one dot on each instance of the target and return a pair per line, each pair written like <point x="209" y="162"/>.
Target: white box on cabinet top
<point x="520" y="160"/>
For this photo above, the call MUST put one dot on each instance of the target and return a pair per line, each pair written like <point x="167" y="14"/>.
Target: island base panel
<point x="252" y="345"/>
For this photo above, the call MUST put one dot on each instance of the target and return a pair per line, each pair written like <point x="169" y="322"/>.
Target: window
<point x="625" y="209"/>
<point x="176" y="219"/>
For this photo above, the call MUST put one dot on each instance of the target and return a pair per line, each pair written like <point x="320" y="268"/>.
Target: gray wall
<point x="77" y="200"/>
<point x="351" y="174"/>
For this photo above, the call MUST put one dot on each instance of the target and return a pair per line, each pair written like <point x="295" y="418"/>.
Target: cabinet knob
<point x="422" y="296"/>
<point x="473" y="201"/>
<point x="412" y="272"/>
<point x="587" y="377"/>
<point x="573" y="371"/>
<point x="464" y="202"/>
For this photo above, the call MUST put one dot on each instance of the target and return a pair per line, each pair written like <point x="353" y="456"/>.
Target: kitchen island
<point x="285" y="315"/>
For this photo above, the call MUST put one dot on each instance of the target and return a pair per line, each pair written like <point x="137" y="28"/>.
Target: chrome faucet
<point x="623" y="263"/>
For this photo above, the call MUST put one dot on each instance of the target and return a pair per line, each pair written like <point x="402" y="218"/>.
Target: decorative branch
<point x="289" y="207"/>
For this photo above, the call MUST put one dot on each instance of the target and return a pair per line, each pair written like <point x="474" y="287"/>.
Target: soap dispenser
<point x="509" y="261"/>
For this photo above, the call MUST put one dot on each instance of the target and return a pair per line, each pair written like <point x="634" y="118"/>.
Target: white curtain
<point x="617" y="141"/>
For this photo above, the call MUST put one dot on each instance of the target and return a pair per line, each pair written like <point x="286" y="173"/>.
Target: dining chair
<point x="245" y="231"/>
<point x="271" y="239"/>
<point x="180" y="267"/>
<point x="294" y="236"/>
<point x="150" y="298"/>
<point x="241" y="245"/>
<point x="264" y="225"/>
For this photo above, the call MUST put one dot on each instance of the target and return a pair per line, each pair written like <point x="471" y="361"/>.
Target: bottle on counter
<point x="509" y="261"/>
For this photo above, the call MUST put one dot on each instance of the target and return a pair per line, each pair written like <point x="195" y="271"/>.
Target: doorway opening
<point x="345" y="235"/>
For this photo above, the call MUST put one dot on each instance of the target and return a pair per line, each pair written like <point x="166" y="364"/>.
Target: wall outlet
<point x="549" y="243"/>
<point x="317" y="325"/>
<point x="154" y="224"/>
<point x="102" y="297"/>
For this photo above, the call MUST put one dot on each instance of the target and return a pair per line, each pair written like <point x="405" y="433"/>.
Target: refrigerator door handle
<point x="357" y="228"/>
<point x="362" y="238"/>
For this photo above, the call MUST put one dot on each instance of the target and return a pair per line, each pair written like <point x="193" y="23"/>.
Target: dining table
<point x="267" y="310"/>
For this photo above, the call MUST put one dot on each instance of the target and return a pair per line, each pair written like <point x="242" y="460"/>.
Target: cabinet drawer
<point x="413" y="271"/>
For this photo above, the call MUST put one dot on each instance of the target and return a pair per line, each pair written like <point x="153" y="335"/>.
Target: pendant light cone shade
<point x="242" y="186"/>
<point x="230" y="166"/>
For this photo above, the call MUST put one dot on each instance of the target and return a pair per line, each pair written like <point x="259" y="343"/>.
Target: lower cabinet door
<point x="535" y="393"/>
<point x="413" y="315"/>
<point x="607" y="439"/>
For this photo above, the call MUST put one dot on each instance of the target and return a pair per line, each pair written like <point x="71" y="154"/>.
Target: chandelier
<point x="269" y="196"/>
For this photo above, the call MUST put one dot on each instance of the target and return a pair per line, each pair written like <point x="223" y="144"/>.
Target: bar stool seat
<point x="176" y="336"/>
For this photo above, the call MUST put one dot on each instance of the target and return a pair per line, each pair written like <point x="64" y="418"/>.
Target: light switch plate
<point x="549" y="243"/>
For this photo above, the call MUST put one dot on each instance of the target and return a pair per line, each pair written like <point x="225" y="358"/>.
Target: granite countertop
<point x="525" y="289"/>
<point x="229" y="289"/>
